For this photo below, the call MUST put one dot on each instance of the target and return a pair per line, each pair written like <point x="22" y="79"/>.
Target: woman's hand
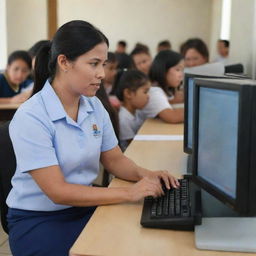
<point x="151" y="185"/>
<point x="145" y="187"/>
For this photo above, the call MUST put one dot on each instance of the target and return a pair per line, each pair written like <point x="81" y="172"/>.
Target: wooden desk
<point x="7" y="111"/>
<point x="115" y="230"/>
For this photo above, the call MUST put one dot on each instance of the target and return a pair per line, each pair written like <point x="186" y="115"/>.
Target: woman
<point x="59" y="135"/>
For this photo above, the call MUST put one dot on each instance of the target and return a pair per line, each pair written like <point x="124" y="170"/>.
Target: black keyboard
<point x="173" y="210"/>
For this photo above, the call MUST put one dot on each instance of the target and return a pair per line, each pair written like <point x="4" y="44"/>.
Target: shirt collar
<point x="55" y="108"/>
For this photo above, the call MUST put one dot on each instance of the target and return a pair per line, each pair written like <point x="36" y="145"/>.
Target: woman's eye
<point x="94" y="64"/>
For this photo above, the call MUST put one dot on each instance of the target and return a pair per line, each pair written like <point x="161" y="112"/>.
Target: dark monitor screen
<point x="224" y="140"/>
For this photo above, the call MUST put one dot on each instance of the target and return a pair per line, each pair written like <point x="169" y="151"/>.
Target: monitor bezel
<point x="241" y="203"/>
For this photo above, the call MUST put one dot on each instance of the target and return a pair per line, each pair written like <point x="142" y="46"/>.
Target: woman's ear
<point x="63" y="63"/>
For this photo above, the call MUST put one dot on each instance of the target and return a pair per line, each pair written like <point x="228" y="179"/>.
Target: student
<point x="223" y="51"/>
<point x="35" y="49"/>
<point x="164" y="45"/>
<point x="121" y="46"/>
<point x="166" y="75"/>
<point x="123" y="59"/>
<point x="110" y="72"/>
<point x="102" y="95"/>
<point x="141" y="59"/>
<point x="14" y="82"/>
<point x="195" y="52"/>
<point x="133" y="92"/>
<point x="59" y="136"/>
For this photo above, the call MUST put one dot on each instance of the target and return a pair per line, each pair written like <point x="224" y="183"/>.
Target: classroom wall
<point x="241" y="34"/>
<point x="3" y="41"/>
<point x="26" y="23"/>
<point x="146" y="21"/>
<point x="215" y="28"/>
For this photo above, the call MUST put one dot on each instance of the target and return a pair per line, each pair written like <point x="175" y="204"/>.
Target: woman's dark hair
<point x="132" y="80"/>
<point x="72" y="39"/>
<point x="102" y="95"/>
<point x="162" y="62"/>
<point x="195" y="43"/>
<point x="36" y="47"/>
<point x="20" y="55"/>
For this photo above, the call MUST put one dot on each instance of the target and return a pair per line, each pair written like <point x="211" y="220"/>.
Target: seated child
<point x="166" y="75"/>
<point x="109" y="79"/>
<point x="14" y="82"/>
<point x="133" y="93"/>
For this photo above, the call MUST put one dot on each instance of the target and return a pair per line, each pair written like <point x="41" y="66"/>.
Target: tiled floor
<point x="4" y="245"/>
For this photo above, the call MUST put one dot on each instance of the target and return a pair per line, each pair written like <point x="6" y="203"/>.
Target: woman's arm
<point x="19" y="98"/>
<point x="62" y="192"/>
<point x="123" y="167"/>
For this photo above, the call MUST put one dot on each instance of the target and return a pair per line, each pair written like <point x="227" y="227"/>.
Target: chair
<point x="7" y="169"/>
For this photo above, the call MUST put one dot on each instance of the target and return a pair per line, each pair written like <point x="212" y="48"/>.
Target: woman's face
<point x="194" y="58"/>
<point x="174" y="75"/>
<point x="142" y="62"/>
<point x="84" y="75"/>
<point x="18" y="71"/>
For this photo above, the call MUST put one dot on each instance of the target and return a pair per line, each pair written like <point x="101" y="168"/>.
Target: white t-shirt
<point x="158" y="101"/>
<point x="129" y="125"/>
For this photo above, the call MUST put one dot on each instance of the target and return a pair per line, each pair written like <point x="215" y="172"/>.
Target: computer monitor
<point x="224" y="141"/>
<point x="215" y="69"/>
<point x="188" y="86"/>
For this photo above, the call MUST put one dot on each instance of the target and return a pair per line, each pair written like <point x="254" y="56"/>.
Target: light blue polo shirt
<point x="44" y="135"/>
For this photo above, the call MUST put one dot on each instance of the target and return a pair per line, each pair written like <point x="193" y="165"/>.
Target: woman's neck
<point x="69" y="100"/>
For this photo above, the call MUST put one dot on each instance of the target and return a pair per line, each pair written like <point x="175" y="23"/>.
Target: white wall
<point x="3" y="41"/>
<point x="26" y="23"/>
<point x="146" y="21"/>
<point x="215" y="28"/>
<point x="241" y="36"/>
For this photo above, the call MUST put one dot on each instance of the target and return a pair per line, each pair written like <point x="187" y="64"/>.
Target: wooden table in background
<point x="7" y="111"/>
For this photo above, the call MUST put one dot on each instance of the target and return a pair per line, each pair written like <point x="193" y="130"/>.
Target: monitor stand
<point x="222" y="228"/>
<point x="236" y="234"/>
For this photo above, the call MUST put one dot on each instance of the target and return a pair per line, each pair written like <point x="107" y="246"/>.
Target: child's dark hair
<point x="197" y="44"/>
<point x="111" y="57"/>
<point x="20" y="55"/>
<point x="162" y="62"/>
<point x="33" y="51"/>
<point x="72" y="39"/>
<point x="102" y="95"/>
<point x="132" y="80"/>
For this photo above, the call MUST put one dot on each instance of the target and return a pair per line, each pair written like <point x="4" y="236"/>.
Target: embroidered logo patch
<point x="96" y="132"/>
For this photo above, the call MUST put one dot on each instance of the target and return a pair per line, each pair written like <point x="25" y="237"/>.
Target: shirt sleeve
<point x="158" y="101"/>
<point x="32" y="141"/>
<point x="109" y="140"/>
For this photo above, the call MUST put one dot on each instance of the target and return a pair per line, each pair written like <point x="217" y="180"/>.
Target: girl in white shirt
<point x="166" y="74"/>
<point x="133" y="91"/>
